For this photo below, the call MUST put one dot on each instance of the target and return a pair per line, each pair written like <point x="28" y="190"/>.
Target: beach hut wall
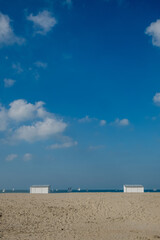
<point x="133" y="188"/>
<point x="40" y="189"/>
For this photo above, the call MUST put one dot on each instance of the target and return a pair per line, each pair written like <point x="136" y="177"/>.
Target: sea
<point x="56" y="191"/>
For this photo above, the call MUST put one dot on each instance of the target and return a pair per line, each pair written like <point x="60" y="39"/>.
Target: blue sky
<point x="79" y="93"/>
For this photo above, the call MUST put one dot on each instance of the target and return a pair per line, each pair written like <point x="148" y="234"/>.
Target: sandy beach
<point x="80" y="216"/>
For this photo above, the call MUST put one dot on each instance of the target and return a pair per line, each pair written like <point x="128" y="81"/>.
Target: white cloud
<point x="153" y="30"/>
<point x="17" y="67"/>
<point x="123" y="122"/>
<point x="20" y="110"/>
<point x="27" y="157"/>
<point x="40" y="123"/>
<point x="43" y="22"/>
<point x="41" y="64"/>
<point x="7" y="35"/>
<point x="40" y="130"/>
<point x="11" y="157"/>
<point x="8" y="82"/>
<point x="102" y="122"/>
<point x="85" y="119"/>
<point x="156" y="99"/>
<point x="3" y="119"/>
<point x="63" y="145"/>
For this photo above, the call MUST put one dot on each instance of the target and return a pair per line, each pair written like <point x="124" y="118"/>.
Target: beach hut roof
<point x="40" y="186"/>
<point x="136" y="186"/>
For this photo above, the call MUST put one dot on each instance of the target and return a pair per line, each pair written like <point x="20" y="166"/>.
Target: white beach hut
<point x="133" y="188"/>
<point x="40" y="189"/>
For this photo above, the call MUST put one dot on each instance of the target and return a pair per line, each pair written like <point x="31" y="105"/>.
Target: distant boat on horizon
<point x="79" y="189"/>
<point x="4" y="190"/>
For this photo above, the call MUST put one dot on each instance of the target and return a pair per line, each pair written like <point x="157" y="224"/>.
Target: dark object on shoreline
<point x="69" y="189"/>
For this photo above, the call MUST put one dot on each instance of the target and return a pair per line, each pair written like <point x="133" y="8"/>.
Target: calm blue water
<point x="83" y="190"/>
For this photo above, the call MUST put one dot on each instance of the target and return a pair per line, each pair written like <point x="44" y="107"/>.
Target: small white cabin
<point x="40" y="189"/>
<point x="133" y="188"/>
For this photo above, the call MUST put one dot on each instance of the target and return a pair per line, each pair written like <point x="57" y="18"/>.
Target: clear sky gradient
<point x="79" y="93"/>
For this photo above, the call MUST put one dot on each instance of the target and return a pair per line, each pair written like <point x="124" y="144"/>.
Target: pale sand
<point x="80" y="216"/>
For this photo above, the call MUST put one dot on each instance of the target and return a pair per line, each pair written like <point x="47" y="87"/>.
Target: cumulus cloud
<point x="17" y="67"/>
<point x="40" y="123"/>
<point x="20" y="110"/>
<point x="40" y="130"/>
<point x="153" y="30"/>
<point x="8" y="82"/>
<point x="11" y="157"/>
<point x="40" y="64"/>
<point x="63" y="145"/>
<point x="85" y="119"/>
<point x="88" y="119"/>
<point x="3" y="119"/>
<point x="156" y="99"/>
<point x="7" y="35"/>
<point x="121" y="122"/>
<point x="27" y="157"/>
<point x="102" y="122"/>
<point x="43" y="22"/>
